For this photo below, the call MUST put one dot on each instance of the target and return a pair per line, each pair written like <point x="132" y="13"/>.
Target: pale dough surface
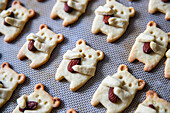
<point x="89" y="58"/>
<point x="125" y="87"/>
<point x="117" y="24"/>
<point x="161" y="106"/>
<point x="10" y="80"/>
<point x="158" y="5"/>
<point x="158" y="42"/>
<point x="45" y="41"/>
<point x="45" y="101"/>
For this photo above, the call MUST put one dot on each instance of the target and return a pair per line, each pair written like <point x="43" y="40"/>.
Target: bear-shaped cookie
<point x="153" y="104"/>
<point x="79" y="65"/>
<point x="38" y="102"/>
<point x="13" y="20"/>
<point x="167" y="65"/>
<point x="39" y="46"/>
<point x="112" y="19"/>
<point x="160" y="5"/>
<point x="150" y="46"/>
<point x="116" y="92"/>
<point x="3" y="4"/>
<point x="69" y="10"/>
<point x="9" y="80"/>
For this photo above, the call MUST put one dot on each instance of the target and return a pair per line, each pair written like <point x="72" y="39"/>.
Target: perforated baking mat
<point x="115" y="54"/>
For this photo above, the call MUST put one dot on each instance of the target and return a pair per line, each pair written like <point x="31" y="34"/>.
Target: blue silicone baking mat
<point x="115" y="54"/>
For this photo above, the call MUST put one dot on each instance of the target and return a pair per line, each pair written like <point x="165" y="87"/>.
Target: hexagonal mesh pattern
<point x="115" y="54"/>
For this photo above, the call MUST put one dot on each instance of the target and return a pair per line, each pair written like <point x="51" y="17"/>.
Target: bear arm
<point x="72" y="55"/>
<point x="85" y="69"/>
<point x="14" y="22"/>
<point x="145" y="38"/>
<point x="111" y="82"/>
<point x="118" y="22"/>
<point x="121" y="93"/>
<point x="101" y="10"/>
<point x="22" y="101"/>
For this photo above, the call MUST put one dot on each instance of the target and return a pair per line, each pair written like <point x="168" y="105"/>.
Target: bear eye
<point x="90" y="56"/>
<point x="16" y="13"/>
<point x="22" y="14"/>
<point x="120" y="77"/>
<point x="50" y="38"/>
<point x="151" y="32"/>
<point x="11" y="79"/>
<point x="161" y="38"/>
<point x="123" y="83"/>
<point x="45" y="102"/>
<point x="130" y="85"/>
<point x="80" y="50"/>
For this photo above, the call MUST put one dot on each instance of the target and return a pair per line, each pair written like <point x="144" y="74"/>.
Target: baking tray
<point x="115" y="54"/>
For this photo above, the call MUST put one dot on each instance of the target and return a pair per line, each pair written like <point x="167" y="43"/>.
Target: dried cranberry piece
<point x="165" y="0"/>
<point x="31" y="46"/>
<point x="67" y="8"/>
<point x="72" y="63"/>
<point x="31" y="105"/>
<point x="112" y="97"/>
<point x="1" y="82"/>
<point x="151" y="106"/>
<point x="12" y="15"/>
<point x="146" y="48"/>
<point x="106" y="19"/>
<point x="22" y="110"/>
<point x="5" y="23"/>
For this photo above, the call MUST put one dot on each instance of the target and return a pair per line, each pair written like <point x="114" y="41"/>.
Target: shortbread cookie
<point x="38" y="102"/>
<point x="13" y="20"/>
<point x="160" y="5"/>
<point x="167" y="65"/>
<point x="39" y="47"/>
<point x="79" y="65"/>
<point x="69" y="10"/>
<point x="71" y="111"/>
<point x="153" y="104"/>
<point x="9" y="80"/>
<point x="150" y="46"/>
<point x="3" y="4"/>
<point x="117" y="92"/>
<point x="112" y="19"/>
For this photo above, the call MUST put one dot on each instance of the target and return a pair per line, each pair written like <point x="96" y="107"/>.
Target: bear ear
<point x="16" y="2"/>
<point x="122" y="67"/>
<point x="100" y="54"/>
<point x="60" y="38"/>
<point x="151" y="24"/>
<point x="21" y="78"/>
<point x="141" y="84"/>
<point x="5" y="64"/>
<point x="169" y="37"/>
<point x="131" y="11"/>
<point x="42" y="26"/>
<point x="56" y="102"/>
<point x="31" y="13"/>
<point x="80" y="42"/>
<point x="39" y="86"/>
